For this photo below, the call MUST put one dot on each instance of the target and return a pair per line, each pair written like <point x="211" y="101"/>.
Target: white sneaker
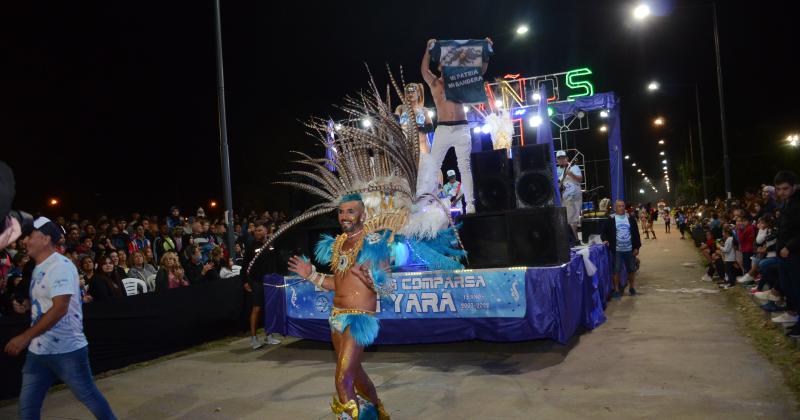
<point x="773" y="297"/>
<point x="745" y="279"/>
<point x="785" y="318"/>
<point x="705" y="277"/>
<point x="272" y="340"/>
<point x="255" y="343"/>
<point x="762" y="295"/>
<point x="470" y="208"/>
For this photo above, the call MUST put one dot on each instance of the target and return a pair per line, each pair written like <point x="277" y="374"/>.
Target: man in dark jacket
<point x="254" y="282"/>
<point x="788" y="244"/>
<point x="621" y="234"/>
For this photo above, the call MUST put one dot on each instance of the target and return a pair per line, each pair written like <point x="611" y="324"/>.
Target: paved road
<point x="672" y="352"/>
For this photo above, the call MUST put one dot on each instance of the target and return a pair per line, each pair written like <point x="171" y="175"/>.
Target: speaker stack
<point x="516" y="223"/>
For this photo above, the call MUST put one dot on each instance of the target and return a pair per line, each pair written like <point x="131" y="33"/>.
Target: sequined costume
<point x="374" y="164"/>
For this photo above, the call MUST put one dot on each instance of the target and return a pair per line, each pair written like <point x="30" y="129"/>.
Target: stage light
<point x="604" y="114"/>
<point x="662" y="153"/>
<point x="653" y="86"/>
<point x="641" y="190"/>
<point x="535" y="121"/>
<point x="627" y="157"/>
<point x="658" y="121"/>
<point x="476" y="130"/>
<point x="537" y="97"/>
<point x="337" y="127"/>
<point x="603" y="129"/>
<point x="366" y="123"/>
<point x="522" y="29"/>
<point x="466" y="108"/>
<point x="213" y="204"/>
<point x="661" y="142"/>
<point x="498" y="103"/>
<point x="486" y="129"/>
<point x="53" y="202"/>
<point x="431" y="114"/>
<point x="641" y="12"/>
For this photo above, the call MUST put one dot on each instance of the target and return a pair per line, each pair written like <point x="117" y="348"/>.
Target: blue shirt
<point x="57" y="276"/>
<point x="624" y="242"/>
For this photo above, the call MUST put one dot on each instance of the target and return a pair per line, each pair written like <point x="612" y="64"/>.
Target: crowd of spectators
<point x="753" y="242"/>
<point x="162" y="253"/>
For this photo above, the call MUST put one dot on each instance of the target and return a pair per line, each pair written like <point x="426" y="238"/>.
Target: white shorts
<point x="573" y="205"/>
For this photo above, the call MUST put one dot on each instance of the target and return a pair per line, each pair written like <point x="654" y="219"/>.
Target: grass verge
<point x="768" y="337"/>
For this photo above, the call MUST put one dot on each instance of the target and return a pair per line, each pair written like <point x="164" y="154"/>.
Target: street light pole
<point x="725" y="160"/>
<point x="223" y="133"/>
<point x="700" y="135"/>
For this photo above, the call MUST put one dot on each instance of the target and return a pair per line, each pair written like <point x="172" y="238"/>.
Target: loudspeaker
<point x="525" y="237"/>
<point x="592" y="226"/>
<point x="491" y="172"/>
<point x="533" y="176"/>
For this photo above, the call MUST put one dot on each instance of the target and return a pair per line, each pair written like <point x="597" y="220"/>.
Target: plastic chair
<point x="132" y="286"/>
<point x="151" y="283"/>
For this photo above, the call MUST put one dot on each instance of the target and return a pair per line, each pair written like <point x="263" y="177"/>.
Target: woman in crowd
<point x="149" y="258"/>
<point x="168" y="261"/>
<point x="140" y="268"/>
<point x="122" y="270"/>
<point x="192" y="263"/>
<point x="107" y="284"/>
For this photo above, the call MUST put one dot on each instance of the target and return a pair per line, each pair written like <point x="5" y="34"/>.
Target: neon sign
<point x="584" y="86"/>
<point x="524" y="91"/>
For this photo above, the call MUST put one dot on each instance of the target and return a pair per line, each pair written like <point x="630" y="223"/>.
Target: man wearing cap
<point x="569" y="179"/>
<point x="57" y="348"/>
<point x="452" y="189"/>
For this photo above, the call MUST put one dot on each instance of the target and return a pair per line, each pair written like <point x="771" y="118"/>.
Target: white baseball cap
<point x="561" y="153"/>
<point x="450" y="173"/>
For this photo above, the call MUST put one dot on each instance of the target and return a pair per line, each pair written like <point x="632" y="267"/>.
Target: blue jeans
<point x="789" y="271"/>
<point x="40" y="371"/>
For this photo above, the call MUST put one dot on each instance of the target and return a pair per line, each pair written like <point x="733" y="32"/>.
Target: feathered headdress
<point x="373" y="156"/>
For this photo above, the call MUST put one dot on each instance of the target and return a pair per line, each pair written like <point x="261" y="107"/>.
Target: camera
<point x="7" y="192"/>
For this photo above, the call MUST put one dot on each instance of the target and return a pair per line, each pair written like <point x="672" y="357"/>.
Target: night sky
<point x="111" y="107"/>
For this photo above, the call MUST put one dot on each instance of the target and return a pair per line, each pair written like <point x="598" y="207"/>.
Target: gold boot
<point x="382" y="413"/>
<point x="338" y="408"/>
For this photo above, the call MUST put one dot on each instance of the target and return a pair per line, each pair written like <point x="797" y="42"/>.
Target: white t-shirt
<point x="57" y="276"/>
<point x="571" y="187"/>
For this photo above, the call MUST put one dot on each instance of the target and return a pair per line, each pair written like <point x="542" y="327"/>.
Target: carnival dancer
<point x="452" y="129"/>
<point x="353" y="320"/>
<point x="372" y="190"/>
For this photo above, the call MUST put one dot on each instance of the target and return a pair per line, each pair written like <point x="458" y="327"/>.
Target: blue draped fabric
<point x="559" y="301"/>
<point x="603" y="101"/>
<point x="544" y="135"/>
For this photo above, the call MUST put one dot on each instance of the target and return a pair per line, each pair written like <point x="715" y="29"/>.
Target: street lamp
<point x="522" y="29"/>
<point x="662" y="153"/>
<point x="627" y="157"/>
<point x="653" y="86"/>
<point x="661" y="142"/>
<point x="603" y="128"/>
<point x="603" y="114"/>
<point x="53" y="202"/>
<point x="658" y="121"/>
<point x="641" y="12"/>
<point x="793" y="140"/>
